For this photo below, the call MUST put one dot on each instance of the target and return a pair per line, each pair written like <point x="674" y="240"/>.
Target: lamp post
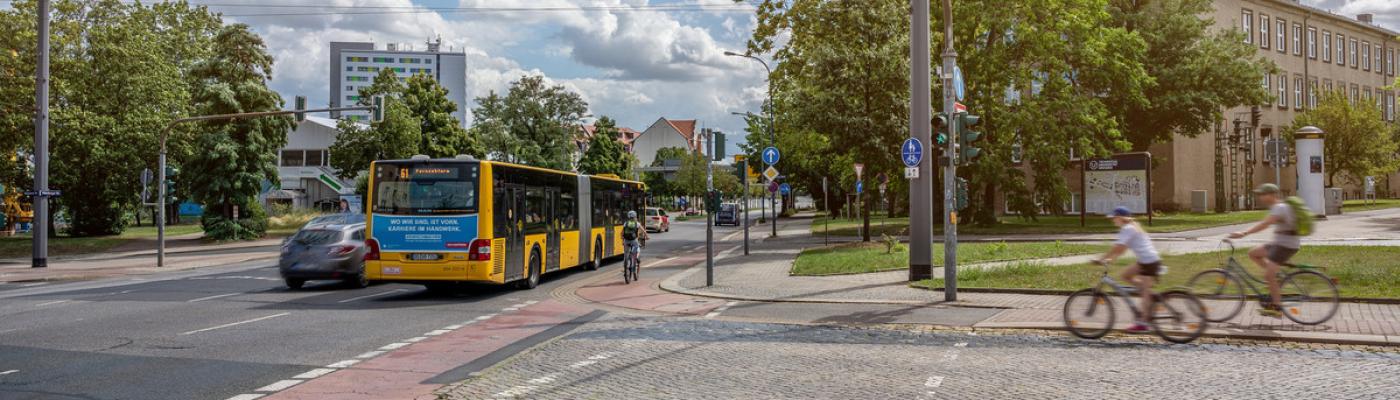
<point x="772" y="140"/>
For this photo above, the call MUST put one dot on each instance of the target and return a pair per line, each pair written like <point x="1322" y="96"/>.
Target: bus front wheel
<point x="533" y="271"/>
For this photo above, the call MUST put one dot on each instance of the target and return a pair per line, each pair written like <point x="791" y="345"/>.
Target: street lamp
<point x="772" y="140"/>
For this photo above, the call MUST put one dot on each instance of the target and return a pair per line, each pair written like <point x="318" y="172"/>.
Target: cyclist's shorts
<point x="1279" y="254"/>
<point x="1149" y="269"/>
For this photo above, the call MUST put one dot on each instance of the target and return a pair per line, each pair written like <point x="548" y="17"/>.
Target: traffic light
<point x="170" y="173"/>
<point x="719" y="146"/>
<point x="1254" y="115"/>
<point x="300" y="105"/>
<point x="377" y="114"/>
<point x="940" y="130"/>
<point x="712" y="201"/>
<point x="967" y="153"/>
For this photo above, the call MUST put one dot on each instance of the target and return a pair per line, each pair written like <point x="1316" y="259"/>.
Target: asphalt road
<point x="220" y="331"/>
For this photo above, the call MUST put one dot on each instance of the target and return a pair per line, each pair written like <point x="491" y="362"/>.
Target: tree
<point x="442" y="133"/>
<point x="1195" y="73"/>
<point x="1357" y="141"/>
<point x="236" y="156"/>
<point x="397" y="136"/>
<point x="534" y="123"/>
<point x="605" y="155"/>
<point x="690" y="178"/>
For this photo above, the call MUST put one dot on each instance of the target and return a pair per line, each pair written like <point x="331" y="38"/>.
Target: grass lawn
<point x="1362" y="205"/>
<point x="1362" y="271"/>
<point x="1171" y="222"/>
<point x="871" y="257"/>
<point x="22" y="245"/>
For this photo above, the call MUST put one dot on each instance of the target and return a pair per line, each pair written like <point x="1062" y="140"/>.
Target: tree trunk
<point x="865" y="217"/>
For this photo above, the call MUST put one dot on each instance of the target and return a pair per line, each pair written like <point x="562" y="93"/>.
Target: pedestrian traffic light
<point x="940" y="130"/>
<point x="377" y="114"/>
<point x="170" y="173"/>
<point x="960" y="198"/>
<point x="967" y="153"/>
<point x="300" y="105"/>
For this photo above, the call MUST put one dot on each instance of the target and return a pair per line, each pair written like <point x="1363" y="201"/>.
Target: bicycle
<point x="1306" y="292"/>
<point x="630" y="263"/>
<point x="1177" y="316"/>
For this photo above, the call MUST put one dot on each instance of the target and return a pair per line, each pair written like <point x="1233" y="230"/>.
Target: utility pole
<point x="41" y="143"/>
<point x="744" y="175"/>
<point x="950" y="170"/>
<point x="920" y="128"/>
<point x="711" y="205"/>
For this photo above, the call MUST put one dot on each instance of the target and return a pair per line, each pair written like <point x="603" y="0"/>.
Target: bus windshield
<point x="425" y="188"/>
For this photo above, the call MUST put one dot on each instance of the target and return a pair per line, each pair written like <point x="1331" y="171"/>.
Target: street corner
<point x="644" y="295"/>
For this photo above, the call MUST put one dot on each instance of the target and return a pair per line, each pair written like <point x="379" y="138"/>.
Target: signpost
<point x="743" y="165"/>
<point x="958" y="88"/>
<point x="771" y="157"/>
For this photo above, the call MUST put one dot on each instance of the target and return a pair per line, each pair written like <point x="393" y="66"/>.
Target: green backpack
<point x="1302" y="216"/>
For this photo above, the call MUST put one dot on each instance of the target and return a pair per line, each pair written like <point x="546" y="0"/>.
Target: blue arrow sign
<point x="771" y="155"/>
<point x="958" y="88"/>
<point x="784" y="189"/>
<point x="912" y="152"/>
<point x="859" y="187"/>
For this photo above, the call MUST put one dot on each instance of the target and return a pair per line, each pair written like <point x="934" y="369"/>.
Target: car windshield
<point x="726" y="207"/>
<point x="653" y="212"/>
<point x="337" y="219"/>
<point x="316" y="237"/>
<point x="425" y="188"/>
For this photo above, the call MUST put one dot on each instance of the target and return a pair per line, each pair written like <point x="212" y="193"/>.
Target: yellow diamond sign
<point x="770" y="173"/>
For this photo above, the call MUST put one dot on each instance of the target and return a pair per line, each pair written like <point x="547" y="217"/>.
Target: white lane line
<point x="603" y="356"/>
<point x="415" y="339"/>
<point x="315" y="373"/>
<point x="531" y="302"/>
<point x="547" y="379"/>
<point x="393" y="346"/>
<point x="343" y="364"/>
<point x="371" y="295"/>
<point x="235" y="323"/>
<point x="246" y="396"/>
<point x="582" y="364"/>
<point x="279" y="385"/>
<point x="934" y="381"/>
<point x="721" y="309"/>
<point x="653" y="263"/>
<point x="9" y="372"/>
<point x="217" y="296"/>
<point x="451" y="327"/>
<point x="436" y="332"/>
<point x="52" y="302"/>
<point x="34" y="284"/>
<point x="370" y="354"/>
<point x="516" y="391"/>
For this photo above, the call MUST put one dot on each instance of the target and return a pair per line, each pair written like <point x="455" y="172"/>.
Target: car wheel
<point x="360" y="280"/>
<point x="295" y="283"/>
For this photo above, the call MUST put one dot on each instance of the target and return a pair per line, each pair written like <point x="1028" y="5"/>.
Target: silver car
<point x="325" y="251"/>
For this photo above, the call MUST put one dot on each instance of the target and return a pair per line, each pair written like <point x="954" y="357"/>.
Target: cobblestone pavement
<point x="628" y="357"/>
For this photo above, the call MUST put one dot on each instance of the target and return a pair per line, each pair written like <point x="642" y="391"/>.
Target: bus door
<point x="513" y="206"/>
<point x="552" y="227"/>
<point x="610" y="219"/>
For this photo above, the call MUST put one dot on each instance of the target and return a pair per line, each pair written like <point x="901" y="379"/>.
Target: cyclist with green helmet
<point x="634" y="235"/>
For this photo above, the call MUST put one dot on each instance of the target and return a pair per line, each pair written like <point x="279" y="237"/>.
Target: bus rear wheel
<point x="597" y="261"/>
<point x="532" y="271"/>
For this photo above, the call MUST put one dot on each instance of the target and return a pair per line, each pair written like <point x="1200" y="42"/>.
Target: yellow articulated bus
<point x="439" y="222"/>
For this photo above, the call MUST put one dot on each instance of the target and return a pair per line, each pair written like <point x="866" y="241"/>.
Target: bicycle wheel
<point x="1309" y="297"/>
<point x="1220" y="292"/>
<point x="1178" y="317"/>
<point x="627" y="269"/>
<point x="1088" y="314"/>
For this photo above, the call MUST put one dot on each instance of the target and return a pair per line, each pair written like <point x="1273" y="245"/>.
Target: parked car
<point x="691" y="211"/>
<point x="325" y="251"/>
<point x="657" y="220"/>
<point x="728" y="214"/>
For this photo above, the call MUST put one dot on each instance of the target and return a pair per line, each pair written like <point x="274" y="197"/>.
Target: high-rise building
<point x="355" y="64"/>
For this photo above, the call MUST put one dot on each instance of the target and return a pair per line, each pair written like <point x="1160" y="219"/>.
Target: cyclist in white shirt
<point x="1144" y="272"/>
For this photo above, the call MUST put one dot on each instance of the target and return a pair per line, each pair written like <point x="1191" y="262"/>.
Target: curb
<point x="1230" y="333"/>
<point x="1058" y="292"/>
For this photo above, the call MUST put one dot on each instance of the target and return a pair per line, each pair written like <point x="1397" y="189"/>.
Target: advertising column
<point x="1308" y="144"/>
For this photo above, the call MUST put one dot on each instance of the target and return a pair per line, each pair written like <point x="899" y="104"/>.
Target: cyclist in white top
<point x="1144" y="272"/>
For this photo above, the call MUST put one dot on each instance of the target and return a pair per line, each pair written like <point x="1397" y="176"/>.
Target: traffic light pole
<point x="162" y="203"/>
<point x="920" y="128"/>
<point x="744" y="172"/>
<point x="41" y="144"/>
<point x="711" y="208"/>
<point x="950" y="170"/>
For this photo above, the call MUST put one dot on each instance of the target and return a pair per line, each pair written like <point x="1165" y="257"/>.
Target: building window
<point x="1297" y="39"/>
<point x="357" y="79"/>
<point x="1377" y="53"/>
<point x="1312" y="94"/>
<point x="352" y="98"/>
<point x="1312" y="43"/>
<point x="410" y="60"/>
<point x="1352" y="52"/>
<point x="1355" y="93"/>
<point x="1326" y="46"/>
<point x="1283" y="90"/>
<point x="316" y="158"/>
<point x="1366" y="56"/>
<point x="356" y="59"/>
<point x="349" y="88"/>
<point x="1390" y="107"/>
<point x="367" y="69"/>
<point x="427" y="61"/>
<point x="1281" y="30"/>
<point x="397" y="69"/>
<point x="1328" y="84"/>
<point x="293" y="158"/>
<point x="349" y="69"/>
<point x="1263" y="31"/>
<point x="1390" y="62"/>
<point x="384" y="59"/>
<point x="1247" y="23"/>
<point x="1341" y="49"/>
<point x="1297" y="92"/>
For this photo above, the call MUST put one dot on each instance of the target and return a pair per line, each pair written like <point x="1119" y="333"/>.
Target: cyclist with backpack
<point x="1291" y="220"/>
<point x="634" y="237"/>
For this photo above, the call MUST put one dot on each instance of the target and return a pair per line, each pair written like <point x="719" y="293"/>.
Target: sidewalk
<point x="763" y="276"/>
<point x="139" y="262"/>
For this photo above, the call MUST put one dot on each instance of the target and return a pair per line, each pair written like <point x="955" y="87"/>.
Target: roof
<point x="686" y="127"/>
<point x="1345" y="19"/>
<point x="624" y="134"/>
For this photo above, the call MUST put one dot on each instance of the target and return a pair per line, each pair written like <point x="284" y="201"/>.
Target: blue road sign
<point x="859" y="186"/>
<point x="784" y="189"/>
<point x="770" y="155"/>
<point x="958" y="88"/>
<point x="912" y="151"/>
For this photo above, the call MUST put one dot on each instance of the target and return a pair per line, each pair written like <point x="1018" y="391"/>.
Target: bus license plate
<point x="425" y="256"/>
<point x="390" y="270"/>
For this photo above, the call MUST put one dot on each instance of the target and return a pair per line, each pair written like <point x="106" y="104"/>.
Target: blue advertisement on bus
<point x="424" y="233"/>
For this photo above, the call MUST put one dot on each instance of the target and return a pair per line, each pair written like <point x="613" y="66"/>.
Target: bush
<point x="251" y="224"/>
<point x="292" y="220"/>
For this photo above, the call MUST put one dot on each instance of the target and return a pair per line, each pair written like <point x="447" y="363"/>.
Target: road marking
<point x="547" y="379"/>
<point x="721" y="309"/>
<point x="370" y="295"/>
<point x="934" y="381"/>
<point x="653" y="263"/>
<point x="210" y="278"/>
<point x="485" y="317"/>
<point x="343" y="364"/>
<point x="246" y="396"/>
<point x="9" y="372"/>
<point x="436" y="332"/>
<point x="235" y="323"/>
<point x="415" y="339"/>
<point x="516" y="391"/>
<point x="582" y="364"/>
<point x="34" y="284"/>
<point x="315" y="373"/>
<point x="960" y="344"/>
<point x="370" y="354"/>
<point x="603" y="356"/>
<point x="279" y="385"/>
<point x="9" y="330"/>
<point x="393" y="346"/>
<point x="217" y="296"/>
<point x="451" y="327"/>
<point x="52" y="302"/>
